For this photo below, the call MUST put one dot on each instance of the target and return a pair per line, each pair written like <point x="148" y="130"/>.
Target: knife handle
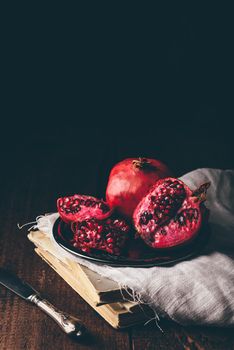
<point x="69" y="324"/>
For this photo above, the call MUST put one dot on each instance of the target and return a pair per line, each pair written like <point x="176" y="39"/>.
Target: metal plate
<point x="136" y="254"/>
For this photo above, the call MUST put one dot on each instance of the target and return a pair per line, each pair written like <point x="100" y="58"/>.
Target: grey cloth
<point x="197" y="291"/>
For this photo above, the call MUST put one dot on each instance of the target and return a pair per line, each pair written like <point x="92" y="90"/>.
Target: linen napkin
<point x="197" y="291"/>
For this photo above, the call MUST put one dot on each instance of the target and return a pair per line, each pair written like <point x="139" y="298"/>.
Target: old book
<point x="102" y="290"/>
<point x="85" y="283"/>
<point x="118" y="315"/>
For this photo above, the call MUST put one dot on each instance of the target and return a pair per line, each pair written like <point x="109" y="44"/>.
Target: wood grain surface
<point x="29" y="187"/>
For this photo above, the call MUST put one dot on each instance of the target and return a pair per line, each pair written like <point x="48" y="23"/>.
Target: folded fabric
<point x="197" y="291"/>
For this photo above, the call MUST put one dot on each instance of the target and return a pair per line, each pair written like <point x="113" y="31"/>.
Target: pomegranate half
<point x="170" y="214"/>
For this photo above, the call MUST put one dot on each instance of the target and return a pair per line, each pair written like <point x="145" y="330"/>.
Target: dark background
<point x="94" y="86"/>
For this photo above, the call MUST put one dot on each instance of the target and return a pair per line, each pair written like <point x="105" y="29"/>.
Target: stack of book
<point x="102" y="294"/>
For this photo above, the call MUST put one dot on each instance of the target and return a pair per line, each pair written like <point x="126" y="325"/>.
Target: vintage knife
<point x="69" y="324"/>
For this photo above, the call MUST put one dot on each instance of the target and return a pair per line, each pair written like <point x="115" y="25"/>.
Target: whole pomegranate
<point x="80" y="207"/>
<point x="130" y="180"/>
<point x="170" y="214"/>
<point x="109" y="235"/>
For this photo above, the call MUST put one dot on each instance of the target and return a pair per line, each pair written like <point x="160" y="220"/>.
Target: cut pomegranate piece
<point x="170" y="214"/>
<point x="109" y="235"/>
<point x="81" y="207"/>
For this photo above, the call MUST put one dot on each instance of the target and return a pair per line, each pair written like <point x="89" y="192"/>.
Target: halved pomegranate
<point x="109" y="235"/>
<point x="170" y="214"/>
<point x="80" y="207"/>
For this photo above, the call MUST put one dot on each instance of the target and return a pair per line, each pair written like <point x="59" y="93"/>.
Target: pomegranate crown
<point x="142" y="163"/>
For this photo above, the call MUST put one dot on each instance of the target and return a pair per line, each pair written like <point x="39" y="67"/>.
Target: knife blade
<point x="69" y="324"/>
<point x="15" y="284"/>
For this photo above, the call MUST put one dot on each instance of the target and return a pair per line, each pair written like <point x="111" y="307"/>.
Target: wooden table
<point x="30" y="182"/>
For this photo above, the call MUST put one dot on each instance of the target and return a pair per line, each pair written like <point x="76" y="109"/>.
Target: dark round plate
<point x="136" y="254"/>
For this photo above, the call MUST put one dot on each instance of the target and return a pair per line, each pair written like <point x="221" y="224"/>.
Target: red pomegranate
<point x="130" y="180"/>
<point x="80" y="207"/>
<point x="109" y="235"/>
<point x="170" y="214"/>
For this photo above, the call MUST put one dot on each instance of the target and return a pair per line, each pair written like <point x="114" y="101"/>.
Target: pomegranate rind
<point x="179" y="227"/>
<point x="85" y="211"/>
